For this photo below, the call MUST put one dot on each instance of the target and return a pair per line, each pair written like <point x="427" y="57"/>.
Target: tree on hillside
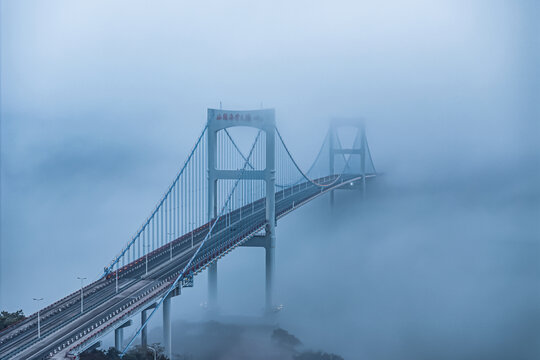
<point x="137" y="353"/>
<point x="95" y="354"/>
<point x="310" y="355"/>
<point x="285" y="340"/>
<point x="140" y="353"/>
<point x="7" y="318"/>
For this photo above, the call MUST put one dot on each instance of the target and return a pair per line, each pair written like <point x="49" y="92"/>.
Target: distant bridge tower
<point x="358" y="148"/>
<point x="264" y="120"/>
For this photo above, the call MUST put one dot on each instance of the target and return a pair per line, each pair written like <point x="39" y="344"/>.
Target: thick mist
<point x="101" y="103"/>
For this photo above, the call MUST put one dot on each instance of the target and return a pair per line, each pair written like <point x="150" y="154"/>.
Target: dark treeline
<point x="287" y="343"/>
<point x="9" y="318"/>
<point x="137" y="353"/>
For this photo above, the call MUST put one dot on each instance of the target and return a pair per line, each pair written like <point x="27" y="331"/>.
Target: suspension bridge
<point x="220" y="199"/>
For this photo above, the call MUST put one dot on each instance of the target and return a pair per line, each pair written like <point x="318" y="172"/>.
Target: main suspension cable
<point x="300" y="170"/>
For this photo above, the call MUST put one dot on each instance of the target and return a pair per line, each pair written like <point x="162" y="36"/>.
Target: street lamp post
<point x="82" y="295"/>
<point x="146" y="257"/>
<point x="116" y="273"/>
<point x="38" y="320"/>
<point x="192" y="231"/>
<point x="170" y="244"/>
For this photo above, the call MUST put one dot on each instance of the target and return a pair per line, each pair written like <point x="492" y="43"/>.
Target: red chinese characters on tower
<point x="238" y="117"/>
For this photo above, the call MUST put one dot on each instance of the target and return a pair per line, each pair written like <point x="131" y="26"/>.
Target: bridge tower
<point x="358" y="148"/>
<point x="264" y="120"/>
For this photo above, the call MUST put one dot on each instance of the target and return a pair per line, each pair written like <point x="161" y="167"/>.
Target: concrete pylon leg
<point x="118" y="338"/>
<point x="332" y="198"/>
<point x="212" y="287"/>
<point x="167" y="326"/>
<point x="363" y="185"/>
<point x="270" y="263"/>
<point x="144" y="332"/>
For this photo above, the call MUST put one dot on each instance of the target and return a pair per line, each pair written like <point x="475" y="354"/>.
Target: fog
<point x="101" y="103"/>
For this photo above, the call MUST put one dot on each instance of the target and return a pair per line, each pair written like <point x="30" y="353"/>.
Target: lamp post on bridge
<point x="116" y="277"/>
<point x="170" y="243"/>
<point x="146" y="258"/>
<point x="38" y="320"/>
<point x="82" y="295"/>
<point x="240" y="210"/>
<point x="148" y="247"/>
<point x="192" y="223"/>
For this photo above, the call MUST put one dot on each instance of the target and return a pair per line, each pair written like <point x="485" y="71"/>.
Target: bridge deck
<point x="64" y="328"/>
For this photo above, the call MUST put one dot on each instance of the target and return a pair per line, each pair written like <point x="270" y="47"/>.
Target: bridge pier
<point x="268" y="242"/>
<point x="167" y="326"/>
<point x="118" y="338"/>
<point x="212" y="287"/>
<point x="270" y="251"/>
<point x="119" y="335"/>
<point x="144" y="332"/>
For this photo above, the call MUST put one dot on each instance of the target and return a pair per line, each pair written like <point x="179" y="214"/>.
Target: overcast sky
<point x="101" y="102"/>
